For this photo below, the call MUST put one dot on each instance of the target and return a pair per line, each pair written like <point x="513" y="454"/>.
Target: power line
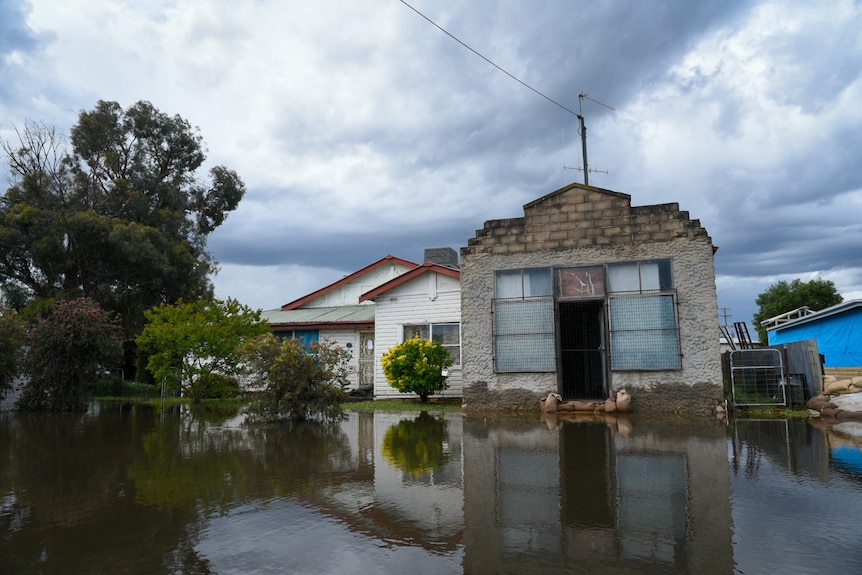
<point x="551" y="100"/>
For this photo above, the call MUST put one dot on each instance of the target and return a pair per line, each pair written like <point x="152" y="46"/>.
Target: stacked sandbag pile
<point x="834" y="386"/>
<point x="836" y="400"/>
<point x="620" y="402"/>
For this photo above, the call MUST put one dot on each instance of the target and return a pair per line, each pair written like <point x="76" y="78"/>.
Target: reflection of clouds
<point x="773" y="504"/>
<point x="284" y="536"/>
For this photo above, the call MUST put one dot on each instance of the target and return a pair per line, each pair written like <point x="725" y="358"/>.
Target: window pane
<point x="665" y="274"/>
<point x="656" y="274"/>
<point x="624" y="277"/>
<point x="446" y="333"/>
<point x="509" y="284"/>
<point x="454" y="353"/>
<point x="581" y="282"/>
<point x="411" y="331"/>
<point x="537" y="282"/>
<point x="649" y="276"/>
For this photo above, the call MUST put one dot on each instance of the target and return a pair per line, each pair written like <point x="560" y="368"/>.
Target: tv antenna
<point x="583" y="132"/>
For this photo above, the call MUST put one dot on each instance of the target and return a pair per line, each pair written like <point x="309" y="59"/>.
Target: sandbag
<point x="624" y="401"/>
<point x="818" y="402"/>
<point x="551" y="403"/>
<point x="837" y="386"/>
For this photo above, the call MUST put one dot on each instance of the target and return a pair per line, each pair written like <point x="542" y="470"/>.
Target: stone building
<point x="586" y="295"/>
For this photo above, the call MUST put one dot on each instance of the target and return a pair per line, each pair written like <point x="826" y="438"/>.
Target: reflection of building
<point x="599" y="498"/>
<point x="402" y="506"/>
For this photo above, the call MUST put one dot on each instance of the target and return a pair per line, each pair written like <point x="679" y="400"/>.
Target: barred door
<point x="580" y="329"/>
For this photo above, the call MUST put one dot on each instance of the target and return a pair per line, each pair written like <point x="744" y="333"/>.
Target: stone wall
<point x="582" y="225"/>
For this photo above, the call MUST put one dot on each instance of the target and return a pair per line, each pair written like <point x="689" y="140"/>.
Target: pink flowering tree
<point x="73" y="346"/>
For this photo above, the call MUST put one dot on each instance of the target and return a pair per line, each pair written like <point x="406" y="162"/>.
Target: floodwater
<point x="125" y="489"/>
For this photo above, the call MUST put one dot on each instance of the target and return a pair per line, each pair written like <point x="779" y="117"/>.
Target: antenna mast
<point x="583" y="130"/>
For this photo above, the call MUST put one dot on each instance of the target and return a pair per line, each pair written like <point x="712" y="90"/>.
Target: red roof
<point x="408" y="276"/>
<point x="389" y="259"/>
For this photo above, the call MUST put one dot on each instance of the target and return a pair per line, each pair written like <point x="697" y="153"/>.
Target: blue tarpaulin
<point x="838" y="331"/>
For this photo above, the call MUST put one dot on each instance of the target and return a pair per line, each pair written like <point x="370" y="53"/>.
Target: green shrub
<point x="294" y="385"/>
<point x="416" y="366"/>
<point x="217" y="386"/>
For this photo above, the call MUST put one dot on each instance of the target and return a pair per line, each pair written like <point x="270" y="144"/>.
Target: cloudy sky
<point x="361" y="129"/>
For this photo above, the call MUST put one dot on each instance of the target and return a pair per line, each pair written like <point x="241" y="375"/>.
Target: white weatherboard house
<point x="370" y="310"/>
<point x="425" y="301"/>
<point x="336" y="313"/>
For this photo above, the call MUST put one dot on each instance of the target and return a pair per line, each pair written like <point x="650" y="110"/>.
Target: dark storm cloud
<point x="363" y="130"/>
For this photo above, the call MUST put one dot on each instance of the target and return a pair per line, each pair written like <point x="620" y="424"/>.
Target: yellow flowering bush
<point x="416" y="366"/>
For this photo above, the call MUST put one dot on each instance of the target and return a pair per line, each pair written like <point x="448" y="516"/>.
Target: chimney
<point x="443" y="256"/>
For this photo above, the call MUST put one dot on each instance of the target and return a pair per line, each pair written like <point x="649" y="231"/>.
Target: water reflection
<point x="140" y="490"/>
<point x="795" y="506"/>
<point x="599" y="496"/>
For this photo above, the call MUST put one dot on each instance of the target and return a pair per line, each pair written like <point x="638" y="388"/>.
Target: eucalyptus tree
<point x="117" y="213"/>
<point x="782" y="297"/>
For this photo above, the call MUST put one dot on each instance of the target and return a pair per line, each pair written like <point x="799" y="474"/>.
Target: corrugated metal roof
<point x="338" y="314"/>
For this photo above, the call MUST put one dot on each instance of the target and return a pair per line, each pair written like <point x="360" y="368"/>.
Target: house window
<point x="644" y="328"/>
<point x="523" y="283"/>
<point x="306" y="336"/>
<point x="447" y="334"/>
<point x="523" y="307"/>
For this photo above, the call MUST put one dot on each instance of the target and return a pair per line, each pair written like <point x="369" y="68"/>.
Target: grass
<point x="143" y="394"/>
<point x="777" y="412"/>
<point x="397" y="405"/>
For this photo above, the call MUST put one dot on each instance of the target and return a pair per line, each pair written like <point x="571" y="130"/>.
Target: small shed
<point x="837" y="329"/>
<point x="586" y="295"/>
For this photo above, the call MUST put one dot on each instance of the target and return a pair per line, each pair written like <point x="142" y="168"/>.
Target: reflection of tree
<point x="301" y="457"/>
<point x="131" y="490"/>
<point x="417" y="447"/>
<point x="186" y="461"/>
<point x="191" y="462"/>
<point x="67" y="504"/>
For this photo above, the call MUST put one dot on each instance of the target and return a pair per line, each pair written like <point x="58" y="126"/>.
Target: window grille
<point x="524" y="337"/>
<point x="644" y="331"/>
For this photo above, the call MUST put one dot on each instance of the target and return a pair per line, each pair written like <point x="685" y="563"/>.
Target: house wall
<point x="582" y="225"/>
<point x="430" y="298"/>
<point x="348" y="294"/>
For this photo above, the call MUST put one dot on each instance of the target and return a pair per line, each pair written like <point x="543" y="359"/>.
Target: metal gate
<point x="757" y="377"/>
